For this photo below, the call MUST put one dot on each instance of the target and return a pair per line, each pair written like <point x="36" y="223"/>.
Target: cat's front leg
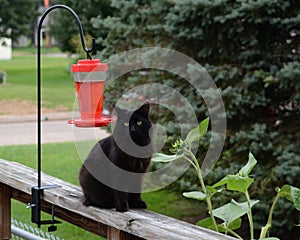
<point x="121" y="201"/>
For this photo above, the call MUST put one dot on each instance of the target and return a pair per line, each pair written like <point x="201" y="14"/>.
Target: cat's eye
<point x="126" y="124"/>
<point x="139" y="123"/>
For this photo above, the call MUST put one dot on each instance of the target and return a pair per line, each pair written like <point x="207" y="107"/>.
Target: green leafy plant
<point x="231" y="213"/>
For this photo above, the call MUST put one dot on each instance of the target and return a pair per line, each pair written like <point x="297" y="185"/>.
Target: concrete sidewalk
<point x="33" y="117"/>
<point x="16" y="130"/>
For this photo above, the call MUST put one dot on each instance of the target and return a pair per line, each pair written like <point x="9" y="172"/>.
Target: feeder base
<point x="103" y="121"/>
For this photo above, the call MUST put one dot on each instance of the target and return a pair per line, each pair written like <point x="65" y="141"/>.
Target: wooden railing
<point x="16" y="181"/>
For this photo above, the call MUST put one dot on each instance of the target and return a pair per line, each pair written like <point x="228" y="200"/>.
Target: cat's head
<point x="133" y="125"/>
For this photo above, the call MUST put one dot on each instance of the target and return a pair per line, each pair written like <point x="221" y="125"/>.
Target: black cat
<point x="129" y="148"/>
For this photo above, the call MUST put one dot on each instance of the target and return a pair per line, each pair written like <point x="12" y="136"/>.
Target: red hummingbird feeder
<point x="89" y="77"/>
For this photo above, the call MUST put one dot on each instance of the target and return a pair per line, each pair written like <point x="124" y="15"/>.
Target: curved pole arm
<point x="87" y="50"/>
<point x="48" y="10"/>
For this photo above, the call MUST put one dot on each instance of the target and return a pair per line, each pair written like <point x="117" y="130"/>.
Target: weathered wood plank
<point x="116" y="234"/>
<point x="138" y="223"/>
<point x="5" y="212"/>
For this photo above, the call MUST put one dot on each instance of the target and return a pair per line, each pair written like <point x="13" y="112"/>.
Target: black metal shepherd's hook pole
<point x="37" y="191"/>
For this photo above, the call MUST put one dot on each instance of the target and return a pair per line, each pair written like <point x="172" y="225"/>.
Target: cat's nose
<point x="132" y="128"/>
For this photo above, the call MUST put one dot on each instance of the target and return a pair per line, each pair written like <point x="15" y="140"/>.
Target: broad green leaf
<point x="195" y="195"/>
<point x="291" y="193"/>
<point x="198" y="195"/>
<point x="295" y="195"/>
<point x="244" y="172"/>
<point x="222" y="182"/>
<point x="236" y="224"/>
<point x="235" y="183"/>
<point x="233" y="210"/>
<point x="210" y="190"/>
<point x="198" y="132"/>
<point x="208" y="223"/>
<point x="160" y="157"/>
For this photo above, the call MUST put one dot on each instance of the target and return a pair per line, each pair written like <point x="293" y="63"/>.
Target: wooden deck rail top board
<point x="134" y="224"/>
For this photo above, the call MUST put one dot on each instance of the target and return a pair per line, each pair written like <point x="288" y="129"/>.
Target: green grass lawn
<point x="32" y="51"/>
<point x="57" y="84"/>
<point x="61" y="160"/>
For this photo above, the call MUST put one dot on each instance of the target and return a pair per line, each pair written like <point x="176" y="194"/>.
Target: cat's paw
<point x="122" y="208"/>
<point x="138" y="204"/>
<point x="86" y="201"/>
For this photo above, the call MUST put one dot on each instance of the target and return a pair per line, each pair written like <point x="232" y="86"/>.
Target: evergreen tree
<point x="65" y="28"/>
<point x="251" y="49"/>
<point x="16" y="17"/>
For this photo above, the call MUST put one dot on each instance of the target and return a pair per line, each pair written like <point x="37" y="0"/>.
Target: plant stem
<point x="191" y="162"/>
<point x="249" y="213"/>
<point x="208" y="200"/>
<point x="234" y="234"/>
<point x="265" y="229"/>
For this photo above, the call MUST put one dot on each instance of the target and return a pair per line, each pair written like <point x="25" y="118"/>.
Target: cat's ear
<point x="144" y="109"/>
